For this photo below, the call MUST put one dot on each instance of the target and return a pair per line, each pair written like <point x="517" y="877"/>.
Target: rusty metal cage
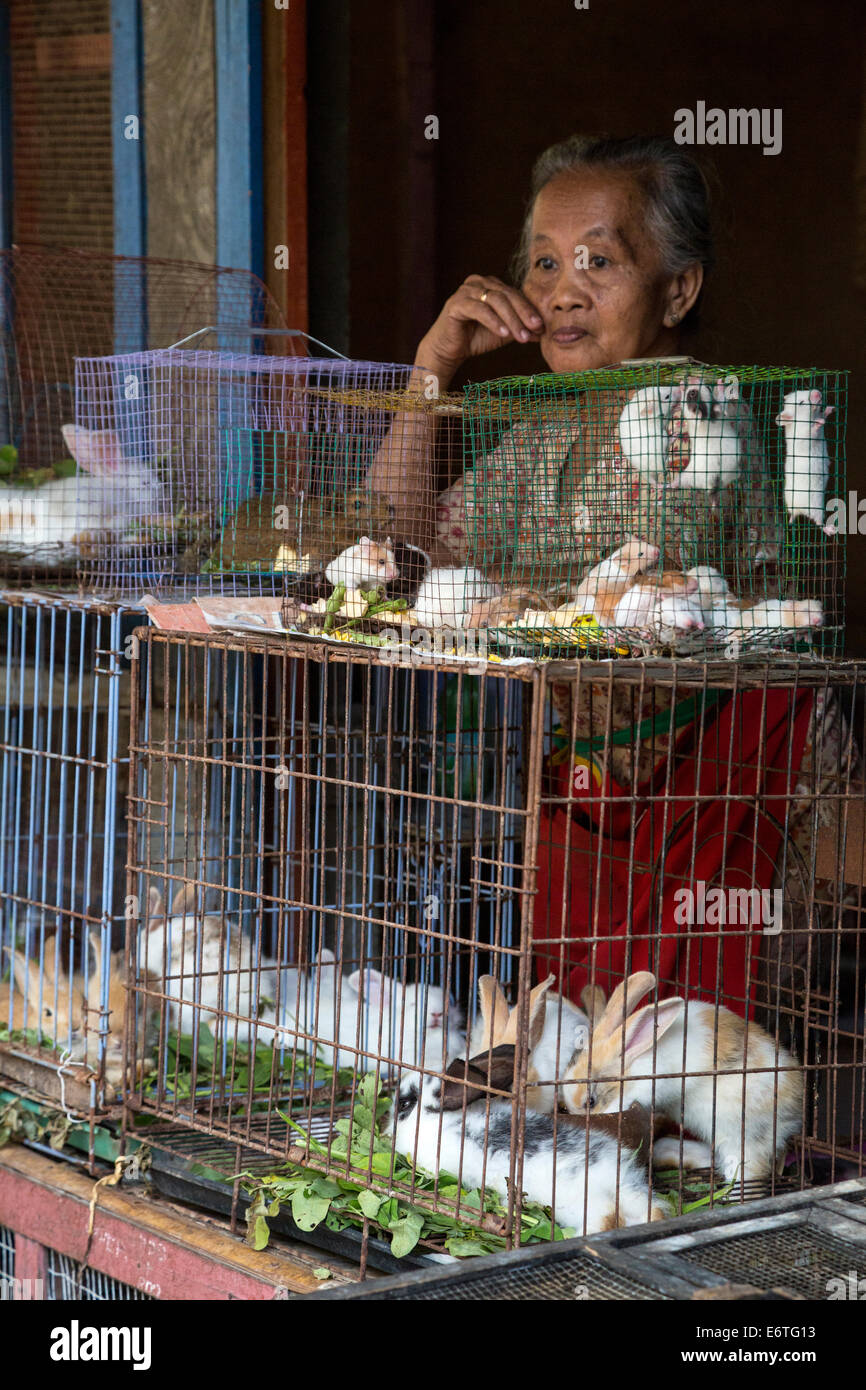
<point x="64" y="705"/>
<point x="354" y="880"/>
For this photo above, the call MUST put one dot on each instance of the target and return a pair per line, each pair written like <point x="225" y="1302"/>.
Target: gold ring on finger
<point x="484" y="296"/>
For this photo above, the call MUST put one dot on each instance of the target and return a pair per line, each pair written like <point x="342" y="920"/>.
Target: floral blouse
<point x="555" y="495"/>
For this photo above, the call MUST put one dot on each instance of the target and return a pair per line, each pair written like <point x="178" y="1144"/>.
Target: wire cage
<point x="656" y="507"/>
<point x="64" y="687"/>
<point x="57" y="304"/>
<point x="448" y="948"/>
<point x="247" y="473"/>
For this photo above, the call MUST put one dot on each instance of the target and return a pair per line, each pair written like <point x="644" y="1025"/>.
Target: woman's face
<point x="615" y="307"/>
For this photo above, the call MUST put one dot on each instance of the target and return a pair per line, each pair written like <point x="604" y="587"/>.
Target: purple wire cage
<point x="222" y="467"/>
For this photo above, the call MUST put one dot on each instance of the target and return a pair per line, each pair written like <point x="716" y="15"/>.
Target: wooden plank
<point x="154" y="1246"/>
<point x="179" y="107"/>
<point x="238" y="45"/>
<point x="28" y="1068"/>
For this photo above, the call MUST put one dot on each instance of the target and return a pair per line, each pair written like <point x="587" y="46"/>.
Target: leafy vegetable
<point x="348" y="1200"/>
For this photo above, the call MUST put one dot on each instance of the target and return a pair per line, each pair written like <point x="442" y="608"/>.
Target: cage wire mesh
<point x="57" y="304"/>
<point x="247" y="474"/>
<point x="371" y="872"/>
<point x="67" y="1279"/>
<point x="64" y="706"/>
<point x="656" y="508"/>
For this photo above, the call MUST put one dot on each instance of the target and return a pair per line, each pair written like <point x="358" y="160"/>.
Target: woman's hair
<point x="674" y="186"/>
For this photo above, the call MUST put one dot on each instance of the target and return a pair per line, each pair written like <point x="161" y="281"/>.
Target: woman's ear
<point x="683" y="291"/>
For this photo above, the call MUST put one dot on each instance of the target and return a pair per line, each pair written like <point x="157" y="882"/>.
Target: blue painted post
<point x="239" y="190"/>
<point x="239" y="203"/>
<point x="130" y="197"/>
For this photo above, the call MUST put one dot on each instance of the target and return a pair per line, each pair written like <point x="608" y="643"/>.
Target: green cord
<point x="683" y="714"/>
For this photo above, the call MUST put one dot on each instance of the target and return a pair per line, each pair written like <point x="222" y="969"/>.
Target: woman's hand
<point x="485" y="313"/>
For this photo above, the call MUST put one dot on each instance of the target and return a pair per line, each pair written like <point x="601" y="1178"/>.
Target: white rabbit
<point x="643" y="436"/>
<point x="586" y="1176"/>
<point x="714" y="444"/>
<point x="49" y="525"/>
<point x="738" y="1090"/>
<point x="551" y="1027"/>
<point x="447" y="596"/>
<point x="380" y="1022"/>
<point x="807" y="462"/>
<point x="204" y="964"/>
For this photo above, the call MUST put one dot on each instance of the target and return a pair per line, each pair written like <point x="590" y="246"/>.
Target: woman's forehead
<point x="593" y="203"/>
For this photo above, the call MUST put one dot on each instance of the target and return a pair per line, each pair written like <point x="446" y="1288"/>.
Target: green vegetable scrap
<point x="18" y="476"/>
<point x="341" y="1201"/>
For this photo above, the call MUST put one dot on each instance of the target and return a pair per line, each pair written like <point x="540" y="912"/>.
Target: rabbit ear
<point x="26" y="972"/>
<point x="623" y="1001"/>
<point x="96" y="451"/>
<point x="494" y="1068"/>
<point x="325" y="957"/>
<point x="184" y="901"/>
<point x="494" y="1009"/>
<point x="537" y="1008"/>
<point x="581" y="1037"/>
<point x="155" y="906"/>
<point x="593" y="1000"/>
<point x="374" y="984"/>
<point x="643" y="1028"/>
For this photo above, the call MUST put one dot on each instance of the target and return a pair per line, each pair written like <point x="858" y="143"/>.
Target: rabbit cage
<point x="65" y="659"/>
<point x="247" y="470"/>
<point x="356" y="877"/>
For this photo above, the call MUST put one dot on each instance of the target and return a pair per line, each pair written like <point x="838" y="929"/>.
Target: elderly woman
<point x="646" y="791"/>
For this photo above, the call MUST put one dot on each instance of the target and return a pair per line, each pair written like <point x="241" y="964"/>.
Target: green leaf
<point x="380" y="1164"/>
<point x="389" y="1212"/>
<point x="325" y="1187"/>
<point x="461" y="1246"/>
<point x="406" y="1233"/>
<point x="370" y="1202"/>
<point x="8" y="453"/>
<point x="64" y="468"/>
<point x="261" y="1233"/>
<point x="308" y="1210"/>
<point x="369" y="1091"/>
<point x="322" y="1273"/>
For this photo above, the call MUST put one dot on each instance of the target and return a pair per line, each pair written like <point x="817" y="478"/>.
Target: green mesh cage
<point x="592" y="496"/>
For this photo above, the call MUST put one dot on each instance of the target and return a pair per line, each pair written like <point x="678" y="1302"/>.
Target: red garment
<point x="625" y="858"/>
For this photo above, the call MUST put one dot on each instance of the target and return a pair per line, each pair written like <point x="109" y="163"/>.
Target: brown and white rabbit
<point x="49" y="525"/>
<point x="731" y="1084"/>
<point x="42" y="999"/>
<point x="553" y="1022"/>
<point x="602" y="587"/>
